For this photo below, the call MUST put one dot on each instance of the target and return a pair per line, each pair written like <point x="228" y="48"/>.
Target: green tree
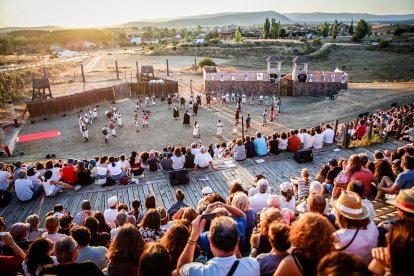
<point x="206" y="62"/>
<point x="186" y="37"/>
<point x="398" y="30"/>
<point x="325" y="29"/>
<point x="335" y="30"/>
<point x="174" y="32"/>
<point x="173" y="42"/>
<point x="361" y="29"/>
<point x="121" y="36"/>
<point x="369" y="29"/>
<point x="279" y="29"/>
<point x="182" y="34"/>
<point x="266" y="29"/>
<point x="274" y="28"/>
<point x="157" y="35"/>
<point x="351" y="28"/>
<point x="388" y="32"/>
<point x="198" y="29"/>
<point x="238" y="36"/>
<point x="4" y="44"/>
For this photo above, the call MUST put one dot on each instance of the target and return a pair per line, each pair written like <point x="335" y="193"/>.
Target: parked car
<point x="109" y="53"/>
<point x="366" y="43"/>
<point x="374" y="43"/>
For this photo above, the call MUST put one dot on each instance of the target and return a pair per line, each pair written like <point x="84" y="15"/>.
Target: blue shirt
<point x="405" y="180"/>
<point x="23" y="189"/>
<point x="261" y="148"/>
<point x="205" y="243"/>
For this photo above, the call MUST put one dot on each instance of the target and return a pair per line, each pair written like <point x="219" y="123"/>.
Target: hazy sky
<point x="95" y="13"/>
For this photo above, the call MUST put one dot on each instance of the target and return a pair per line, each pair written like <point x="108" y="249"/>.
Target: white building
<point x="65" y="53"/>
<point x="137" y="40"/>
<point x="198" y="41"/>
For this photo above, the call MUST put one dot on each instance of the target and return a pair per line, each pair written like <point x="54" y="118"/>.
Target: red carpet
<point x="37" y="136"/>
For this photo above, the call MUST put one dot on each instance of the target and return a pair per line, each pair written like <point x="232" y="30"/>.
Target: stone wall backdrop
<point x="247" y="87"/>
<point x="318" y="88"/>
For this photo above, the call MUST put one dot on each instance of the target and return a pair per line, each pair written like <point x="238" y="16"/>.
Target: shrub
<point x="365" y="141"/>
<point x="205" y="44"/>
<point x="151" y="47"/>
<point x="304" y="40"/>
<point x="383" y="44"/>
<point x="206" y="62"/>
<point x="174" y="48"/>
<point x="354" y="38"/>
<point x="214" y="41"/>
<point x="198" y="45"/>
<point x="317" y="41"/>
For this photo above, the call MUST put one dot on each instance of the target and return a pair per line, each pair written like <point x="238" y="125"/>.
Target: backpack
<point x="125" y="180"/>
<point x="5" y="197"/>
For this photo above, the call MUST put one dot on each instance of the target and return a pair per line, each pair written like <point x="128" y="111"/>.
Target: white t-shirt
<point x="48" y="187"/>
<point x="216" y="152"/>
<point x="364" y="242"/>
<point x="4" y="184"/>
<point x="258" y="202"/>
<point x="195" y="151"/>
<point x="55" y="174"/>
<point x="34" y="178"/>
<point x="102" y="170"/>
<point x="110" y="215"/>
<point x="328" y="136"/>
<point x="114" y="232"/>
<point x="53" y="237"/>
<point x="253" y="191"/>
<point x="317" y="141"/>
<point x="291" y="204"/>
<point x="306" y="140"/>
<point x="168" y="225"/>
<point x="202" y="160"/>
<point x="178" y="162"/>
<point x="221" y="266"/>
<point x="124" y="163"/>
<point x="283" y="144"/>
<point x="115" y="170"/>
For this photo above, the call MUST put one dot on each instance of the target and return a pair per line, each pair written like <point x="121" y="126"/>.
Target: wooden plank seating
<point x="276" y="168"/>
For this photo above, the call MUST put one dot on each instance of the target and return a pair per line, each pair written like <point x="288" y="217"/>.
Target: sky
<point x="99" y="13"/>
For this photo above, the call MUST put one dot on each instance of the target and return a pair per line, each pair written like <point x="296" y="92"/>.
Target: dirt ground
<point x="297" y="112"/>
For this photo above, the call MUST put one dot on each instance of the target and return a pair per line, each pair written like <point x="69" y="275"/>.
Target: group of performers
<point x="85" y="120"/>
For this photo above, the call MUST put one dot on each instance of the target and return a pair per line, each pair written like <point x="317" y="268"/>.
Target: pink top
<point x="365" y="176"/>
<point x="111" y="124"/>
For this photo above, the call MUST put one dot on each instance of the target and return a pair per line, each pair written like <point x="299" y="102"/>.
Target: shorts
<point x="329" y="187"/>
<point x="56" y="190"/>
<point x="145" y="123"/>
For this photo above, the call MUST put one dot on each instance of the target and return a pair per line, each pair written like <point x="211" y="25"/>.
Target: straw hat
<point x="349" y="205"/>
<point x="404" y="200"/>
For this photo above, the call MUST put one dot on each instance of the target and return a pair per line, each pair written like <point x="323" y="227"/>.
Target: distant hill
<point x="345" y="17"/>
<point x="42" y="28"/>
<point x="239" y="18"/>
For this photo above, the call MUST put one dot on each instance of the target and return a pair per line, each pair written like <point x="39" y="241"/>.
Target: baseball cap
<point x="286" y="187"/>
<point x="18" y="228"/>
<point x="81" y="163"/>
<point x="30" y="167"/>
<point x="333" y="162"/>
<point x="70" y="161"/>
<point x="18" y="163"/>
<point x="164" y="154"/>
<point x="112" y="201"/>
<point x="396" y="162"/>
<point x="207" y="190"/>
<point x="1" y="164"/>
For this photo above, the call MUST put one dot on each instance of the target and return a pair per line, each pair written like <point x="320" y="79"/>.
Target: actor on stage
<point x="105" y="132"/>
<point x="112" y="127"/>
<point x="266" y="100"/>
<point x="195" y="108"/>
<point x="141" y="103"/>
<point x="137" y="125"/>
<point x="244" y="98"/>
<point x="187" y="118"/>
<point x="144" y="119"/>
<point x="279" y="103"/>
<point x="137" y="103"/>
<point x="182" y="101"/>
<point x="223" y="100"/>
<point x="261" y="99"/>
<point x="85" y="134"/>
<point x="236" y="126"/>
<point x="153" y="100"/>
<point x="252" y="99"/>
<point x="175" y="99"/>
<point x="94" y="113"/>
<point x="273" y="101"/>
<point x="227" y="98"/>
<point x="208" y="100"/>
<point x="195" y="131"/>
<point x="169" y="101"/>
<point x="219" y="129"/>
<point x="236" y="116"/>
<point x="190" y="101"/>
<point x="120" y="119"/>
<point x="135" y="115"/>
<point x="147" y="101"/>
<point x="272" y="114"/>
<point x="264" y="117"/>
<point x="162" y="98"/>
<point x="214" y="100"/>
<point x="176" y="113"/>
<point x="233" y="97"/>
<point x="248" y="122"/>
<point x="198" y="99"/>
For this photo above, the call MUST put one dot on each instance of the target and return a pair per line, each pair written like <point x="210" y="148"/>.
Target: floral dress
<point x="152" y="235"/>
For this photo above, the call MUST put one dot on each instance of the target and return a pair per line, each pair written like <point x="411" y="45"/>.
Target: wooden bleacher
<point x="276" y="168"/>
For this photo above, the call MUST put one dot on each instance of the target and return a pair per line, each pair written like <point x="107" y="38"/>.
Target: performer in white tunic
<point x="120" y="117"/>
<point x="236" y="125"/>
<point x="219" y="129"/>
<point x="137" y="125"/>
<point x="244" y="98"/>
<point x="227" y="97"/>
<point x="86" y="121"/>
<point x="176" y="94"/>
<point x="141" y="104"/>
<point x="94" y="113"/>
<point x="190" y="101"/>
<point x="137" y="103"/>
<point x="147" y="101"/>
<point x="112" y="127"/>
<point x="153" y="100"/>
<point x="90" y="116"/>
<point x="233" y="97"/>
<point x="195" y="131"/>
<point x="214" y="100"/>
<point x="105" y="132"/>
<point x="261" y="100"/>
<point x="85" y="134"/>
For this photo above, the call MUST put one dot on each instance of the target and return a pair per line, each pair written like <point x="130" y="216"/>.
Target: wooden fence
<point x="144" y="88"/>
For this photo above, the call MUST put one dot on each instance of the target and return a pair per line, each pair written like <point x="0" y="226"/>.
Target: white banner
<point x="221" y="76"/>
<point x="246" y="76"/>
<point x="233" y="76"/>
<point x="343" y="78"/>
<point x="259" y="76"/>
<point x="333" y="77"/>
<point x="323" y="77"/>
<point x="310" y="78"/>
<point x="213" y="76"/>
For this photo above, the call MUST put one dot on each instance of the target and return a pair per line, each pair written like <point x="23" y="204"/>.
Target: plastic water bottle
<point x="132" y="175"/>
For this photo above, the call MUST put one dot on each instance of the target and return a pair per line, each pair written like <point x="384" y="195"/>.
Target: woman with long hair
<point x="116" y="170"/>
<point x="178" y="159"/>
<point x="144" y="158"/>
<point x="150" y="227"/>
<point x="287" y="198"/>
<point x="37" y="256"/>
<point x="321" y="176"/>
<point x="302" y="184"/>
<point x="155" y="261"/>
<point x="52" y="227"/>
<point x="135" y="208"/>
<point x="135" y="163"/>
<point x="383" y="176"/>
<point x="102" y="170"/>
<point x="33" y="232"/>
<point x="239" y="151"/>
<point x="259" y="239"/>
<point x="52" y="187"/>
<point x="312" y="235"/>
<point x="83" y="174"/>
<point x="283" y="142"/>
<point x="126" y="251"/>
<point x="241" y="202"/>
<point x="358" y="172"/>
<point x="103" y="226"/>
<point x="34" y="176"/>
<point x="175" y="241"/>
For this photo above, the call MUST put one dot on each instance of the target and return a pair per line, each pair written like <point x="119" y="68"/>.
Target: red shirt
<point x="293" y="143"/>
<point x="69" y="175"/>
<point x="365" y="176"/>
<point x="360" y="131"/>
<point x="10" y="264"/>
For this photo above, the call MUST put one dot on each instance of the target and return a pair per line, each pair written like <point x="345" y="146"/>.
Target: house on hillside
<point x="136" y="40"/>
<point x="258" y="33"/>
<point x="343" y="29"/>
<point x="80" y="44"/>
<point x="168" y="39"/>
<point x="198" y="41"/>
<point x="151" y="40"/>
<point x="228" y="34"/>
<point x="126" y="41"/>
<point x="297" y="28"/>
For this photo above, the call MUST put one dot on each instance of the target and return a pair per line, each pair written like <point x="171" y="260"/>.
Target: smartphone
<point x="211" y="216"/>
<point x="3" y="233"/>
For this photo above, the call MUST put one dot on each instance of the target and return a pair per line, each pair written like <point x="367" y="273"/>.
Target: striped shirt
<point x="303" y="191"/>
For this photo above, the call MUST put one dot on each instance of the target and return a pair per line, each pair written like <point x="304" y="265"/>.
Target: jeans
<point x="118" y="177"/>
<point x="36" y="191"/>
<point x="329" y="188"/>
